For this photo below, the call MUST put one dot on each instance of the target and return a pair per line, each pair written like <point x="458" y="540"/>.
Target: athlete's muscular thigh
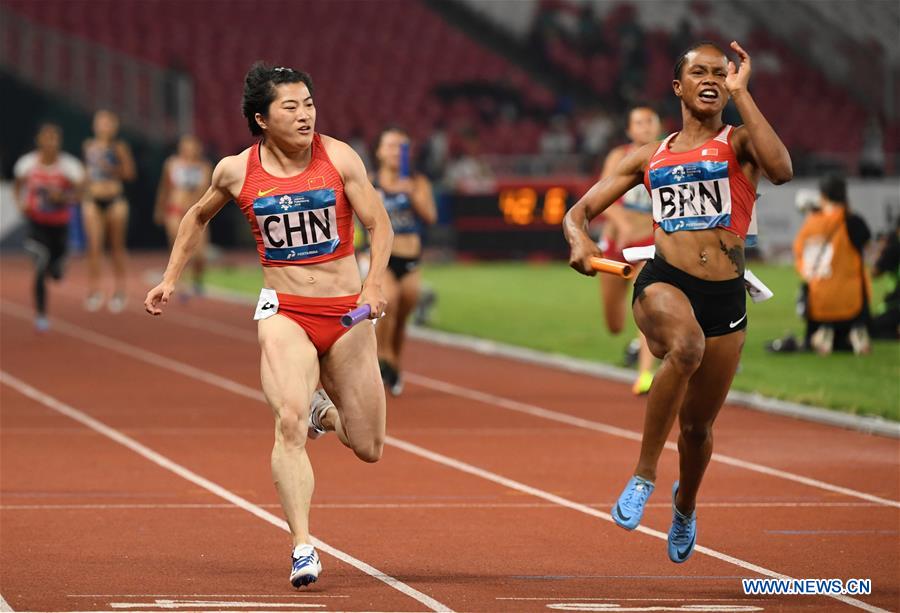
<point x="352" y="379"/>
<point x="289" y="367"/>
<point x="665" y="316"/>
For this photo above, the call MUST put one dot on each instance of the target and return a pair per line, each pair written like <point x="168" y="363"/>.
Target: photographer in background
<point x="828" y="255"/>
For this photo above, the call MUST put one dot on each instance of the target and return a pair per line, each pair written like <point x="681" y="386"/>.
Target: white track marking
<point x="301" y="595"/>
<point x="575" y="506"/>
<point x="209" y="486"/>
<point x="212" y="604"/>
<point x="243" y="390"/>
<point x="4" y="606"/>
<point x="536" y="411"/>
<point x="469" y="394"/>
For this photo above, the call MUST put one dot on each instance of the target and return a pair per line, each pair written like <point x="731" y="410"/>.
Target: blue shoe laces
<point x="304" y="561"/>
<point x="681" y="527"/>
<point x="638" y="494"/>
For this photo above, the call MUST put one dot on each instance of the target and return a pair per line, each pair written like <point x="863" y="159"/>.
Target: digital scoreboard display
<point x="515" y="221"/>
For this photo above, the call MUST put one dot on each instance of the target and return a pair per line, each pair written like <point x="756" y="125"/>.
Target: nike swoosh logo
<point x="681" y="554"/>
<point x="267" y="306"/>
<point x="655" y="162"/>
<point x="620" y="514"/>
<point x="264" y="193"/>
<point x="735" y="323"/>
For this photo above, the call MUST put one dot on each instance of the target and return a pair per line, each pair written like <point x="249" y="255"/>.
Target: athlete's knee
<point x="687" y="353"/>
<point x="291" y="428"/>
<point x="696" y="434"/>
<point x="370" y="451"/>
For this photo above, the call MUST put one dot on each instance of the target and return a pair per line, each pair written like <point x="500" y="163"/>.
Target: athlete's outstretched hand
<point x="374" y="297"/>
<point x="158" y="297"/>
<point x="738" y="78"/>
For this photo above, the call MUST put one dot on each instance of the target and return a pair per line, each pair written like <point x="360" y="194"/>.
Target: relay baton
<point x="355" y="316"/>
<point x="404" y="161"/>
<point x="612" y="267"/>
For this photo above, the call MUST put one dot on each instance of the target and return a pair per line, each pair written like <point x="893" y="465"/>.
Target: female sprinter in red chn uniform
<point x="299" y="190"/>
<point x="689" y="301"/>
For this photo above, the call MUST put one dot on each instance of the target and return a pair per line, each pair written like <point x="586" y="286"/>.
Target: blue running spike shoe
<point x="683" y="533"/>
<point x="630" y="507"/>
<point x="305" y="567"/>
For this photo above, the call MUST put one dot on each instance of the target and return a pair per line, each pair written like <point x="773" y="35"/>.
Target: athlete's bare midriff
<point x="105" y="189"/>
<point x="407" y="245"/>
<point x="338" y="277"/>
<point x="712" y="255"/>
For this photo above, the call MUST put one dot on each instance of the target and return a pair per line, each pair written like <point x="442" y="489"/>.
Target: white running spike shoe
<point x="305" y="565"/>
<point x="317" y="409"/>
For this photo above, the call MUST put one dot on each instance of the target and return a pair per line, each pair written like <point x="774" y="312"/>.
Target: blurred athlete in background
<point x="105" y="211"/>
<point x="185" y="178"/>
<point x="629" y="224"/>
<point x="48" y="184"/>
<point x="410" y="204"/>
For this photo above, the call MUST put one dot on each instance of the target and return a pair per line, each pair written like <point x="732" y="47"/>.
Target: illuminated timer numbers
<point x="555" y="205"/>
<point x="518" y="205"/>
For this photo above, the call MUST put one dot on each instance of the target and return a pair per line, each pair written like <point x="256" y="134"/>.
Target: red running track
<point x="134" y="475"/>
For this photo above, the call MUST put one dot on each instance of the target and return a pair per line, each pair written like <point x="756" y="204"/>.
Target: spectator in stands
<point x="435" y="152"/>
<point x="589" y="33"/>
<point x="468" y="171"/>
<point x="557" y="139"/>
<point x="109" y="165"/>
<point x="682" y="37"/>
<point x="48" y="184"/>
<point x="633" y="55"/>
<point x="871" y="158"/>
<point x="828" y="254"/>
<point x="886" y="324"/>
<point x="594" y="131"/>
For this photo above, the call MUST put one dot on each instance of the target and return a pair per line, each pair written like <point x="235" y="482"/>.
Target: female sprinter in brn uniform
<point x="109" y="163"/>
<point x="689" y="300"/>
<point x="409" y="203"/>
<point x="185" y="178"/>
<point x="629" y="225"/>
<point x="299" y="191"/>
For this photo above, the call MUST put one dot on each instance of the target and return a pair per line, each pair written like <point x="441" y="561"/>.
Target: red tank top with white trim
<point x="299" y="220"/>
<point x="700" y="189"/>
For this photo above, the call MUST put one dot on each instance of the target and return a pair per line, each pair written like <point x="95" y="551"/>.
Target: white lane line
<point x="246" y="391"/>
<point x="586" y="598"/>
<point x="4" y="606"/>
<point x="536" y="411"/>
<point x="209" y="486"/>
<point x="302" y="595"/>
<point x="493" y="400"/>
<point x="581" y="508"/>
<point x="429" y="505"/>
<point x="212" y="604"/>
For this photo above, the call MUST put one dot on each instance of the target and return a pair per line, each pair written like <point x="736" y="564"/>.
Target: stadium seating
<point x="358" y="54"/>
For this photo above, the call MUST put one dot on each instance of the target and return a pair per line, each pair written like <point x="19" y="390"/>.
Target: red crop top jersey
<point x="304" y="219"/>
<point x="700" y="189"/>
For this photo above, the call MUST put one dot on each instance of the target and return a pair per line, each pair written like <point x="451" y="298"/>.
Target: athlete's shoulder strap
<point x="724" y="134"/>
<point x="665" y="144"/>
